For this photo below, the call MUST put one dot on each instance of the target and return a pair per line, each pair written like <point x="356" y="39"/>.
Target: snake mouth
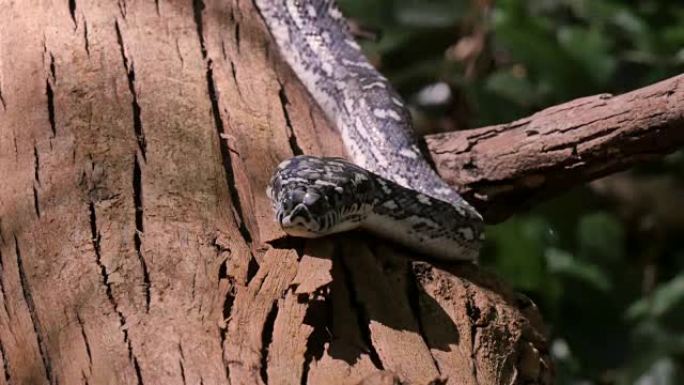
<point x="299" y="223"/>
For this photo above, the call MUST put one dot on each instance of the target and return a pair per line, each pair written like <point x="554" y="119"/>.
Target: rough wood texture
<point x="505" y="168"/>
<point x="137" y="245"/>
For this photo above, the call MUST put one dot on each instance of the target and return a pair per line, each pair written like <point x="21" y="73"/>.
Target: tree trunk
<point x="137" y="244"/>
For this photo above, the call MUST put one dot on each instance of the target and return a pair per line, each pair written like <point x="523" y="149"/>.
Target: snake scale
<point x="389" y="189"/>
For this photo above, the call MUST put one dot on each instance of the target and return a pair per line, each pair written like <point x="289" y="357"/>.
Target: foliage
<point x="606" y="269"/>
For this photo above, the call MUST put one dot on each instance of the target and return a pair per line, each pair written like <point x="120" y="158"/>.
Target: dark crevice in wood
<point x="224" y="54"/>
<point x="194" y="285"/>
<point x="37" y="329"/>
<point x="361" y="315"/>
<point x="139" y="229"/>
<point x="182" y="371"/>
<point x="306" y="366"/>
<point x="16" y="146"/>
<point x="223" y="275"/>
<point x="227" y="303"/>
<point x="5" y="360"/>
<point x="180" y="362"/>
<point x="230" y="296"/>
<point x="85" y="37"/>
<point x="233" y="70"/>
<point x="180" y="54"/>
<point x="292" y="138"/>
<point x="223" y="269"/>
<point x="413" y="296"/>
<point x="53" y="71"/>
<point x="438" y="381"/>
<point x="231" y="15"/>
<point x="2" y="99"/>
<point x="36" y="201"/>
<point x="225" y="155"/>
<point x="236" y="32"/>
<point x="252" y="268"/>
<point x="36" y="165"/>
<point x="49" y="91"/>
<point x="36" y="180"/>
<point x="130" y="74"/>
<point x="131" y="357"/>
<point x="226" y="365"/>
<point x="85" y="340"/>
<point x="138" y="372"/>
<point x="473" y="313"/>
<point x="266" y="339"/>
<point x="72" y="11"/>
<point x="197" y="9"/>
<point x="2" y="280"/>
<point x="156" y="7"/>
<point x="95" y="236"/>
<point x="137" y="119"/>
<point x="51" y="107"/>
<point x="122" y="8"/>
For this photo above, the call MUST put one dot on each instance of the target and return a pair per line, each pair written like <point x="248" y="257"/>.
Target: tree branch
<point x="504" y="168"/>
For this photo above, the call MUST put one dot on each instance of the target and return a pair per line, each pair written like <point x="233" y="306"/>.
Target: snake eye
<point x="316" y="202"/>
<point x="311" y="198"/>
<point x="298" y="196"/>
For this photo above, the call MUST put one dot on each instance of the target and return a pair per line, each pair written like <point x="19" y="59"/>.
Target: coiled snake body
<point x="389" y="189"/>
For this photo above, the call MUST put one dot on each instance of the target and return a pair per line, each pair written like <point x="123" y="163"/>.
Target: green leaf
<point x="600" y="237"/>
<point x="591" y="48"/>
<point x="422" y="14"/>
<point x="517" y="89"/>
<point x="520" y="251"/>
<point x="562" y="262"/>
<point x="667" y="298"/>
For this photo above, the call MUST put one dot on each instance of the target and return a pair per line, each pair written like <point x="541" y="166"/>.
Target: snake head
<point x="313" y="197"/>
<point x="298" y="211"/>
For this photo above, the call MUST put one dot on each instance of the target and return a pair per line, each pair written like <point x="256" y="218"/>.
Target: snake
<point x="385" y="186"/>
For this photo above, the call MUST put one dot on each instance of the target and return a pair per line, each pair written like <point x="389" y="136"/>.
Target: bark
<point x="137" y="244"/>
<point x="505" y="168"/>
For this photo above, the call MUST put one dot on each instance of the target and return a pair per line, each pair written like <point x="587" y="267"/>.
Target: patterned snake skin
<point x="389" y="189"/>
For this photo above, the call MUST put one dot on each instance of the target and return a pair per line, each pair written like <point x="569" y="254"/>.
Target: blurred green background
<point x="604" y="262"/>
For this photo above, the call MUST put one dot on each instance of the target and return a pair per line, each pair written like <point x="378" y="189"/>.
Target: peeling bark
<point x="154" y="257"/>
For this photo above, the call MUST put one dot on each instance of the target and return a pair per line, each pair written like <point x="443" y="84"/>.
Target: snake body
<point x="389" y="188"/>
